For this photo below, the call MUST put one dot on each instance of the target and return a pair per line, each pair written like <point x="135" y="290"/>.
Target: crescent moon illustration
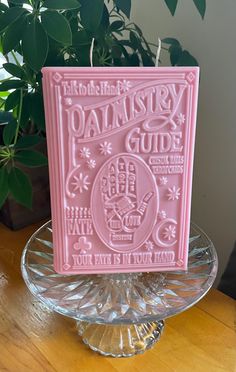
<point x="68" y="178"/>
<point x="156" y="235"/>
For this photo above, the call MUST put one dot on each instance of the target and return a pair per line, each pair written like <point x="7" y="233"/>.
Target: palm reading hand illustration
<point x="124" y="210"/>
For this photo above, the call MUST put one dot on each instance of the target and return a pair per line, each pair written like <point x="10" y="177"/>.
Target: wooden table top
<point x="35" y="339"/>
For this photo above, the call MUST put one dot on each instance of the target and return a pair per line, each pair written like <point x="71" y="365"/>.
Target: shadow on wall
<point x="228" y="281"/>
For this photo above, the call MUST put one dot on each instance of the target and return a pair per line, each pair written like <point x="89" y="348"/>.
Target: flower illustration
<point x="125" y="85"/>
<point x="163" y="180"/>
<point x="80" y="183"/>
<point x="180" y="118"/>
<point x="174" y="193"/>
<point x="169" y="232"/>
<point x="149" y="245"/>
<point x="162" y="215"/>
<point x="105" y="148"/>
<point x="84" y="153"/>
<point x="91" y="163"/>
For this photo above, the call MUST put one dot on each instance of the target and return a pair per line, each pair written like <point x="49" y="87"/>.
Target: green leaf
<point x="124" y="51"/>
<point x="175" y="53"/>
<point x="36" y="109"/>
<point x="135" y="43"/>
<point x="25" y="112"/>
<point x="11" y="84"/>
<point x="4" y="94"/>
<point x="3" y="185"/>
<point x="116" y="51"/>
<point x="91" y="13"/>
<point x="201" y="6"/>
<point x="28" y="141"/>
<point x="105" y="21"/>
<point x="82" y="54"/>
<point x="170" y="40"/>
<point x="12" y="100"/>
<point x="146" y="59"/>
<point x="186" y="59"/>
<point x="117" y="25"/>
<point x="134" y="60"/>
<point x="35" y="45"/>
<point x="2" y="102"/>
<point x="3" y="7"/>
<point x="9" y="132"/>
<point x="13" y="34"/>
<point x="171" y="4"/>
<point x="81" y="38"/>
<point x="10" y="16"/>
<point x="61" y="4"/>
<point x="31" y="158"/>
<point x="20" y="187"/>
<point x="124" y="6"/>
<point x="14" y="70"/>
<point x="18" y="2"/>
<point x="57" y="26"/>
<point x="5" y="117"/>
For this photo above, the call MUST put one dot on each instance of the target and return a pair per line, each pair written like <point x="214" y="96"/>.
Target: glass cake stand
<point x="119" y="314"/>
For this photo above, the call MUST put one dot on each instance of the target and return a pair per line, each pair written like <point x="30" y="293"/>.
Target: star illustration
<point x="174" y="193"/>
<point x="80" y="183"/>
<point x="106" y="148"/>
<point x="169" y="232"/>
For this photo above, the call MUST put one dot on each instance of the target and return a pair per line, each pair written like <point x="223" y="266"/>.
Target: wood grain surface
<point x="34" y="339"/>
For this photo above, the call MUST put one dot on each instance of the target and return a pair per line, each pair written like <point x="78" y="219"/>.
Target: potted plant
<point x="37" y="33"/>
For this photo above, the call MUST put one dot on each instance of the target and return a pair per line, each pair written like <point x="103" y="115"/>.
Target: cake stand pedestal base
<point x="120" y="340"/>
<point x="119" y="315"/>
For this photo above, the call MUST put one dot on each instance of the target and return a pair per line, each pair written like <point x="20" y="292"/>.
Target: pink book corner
<point x="120" y="147"/>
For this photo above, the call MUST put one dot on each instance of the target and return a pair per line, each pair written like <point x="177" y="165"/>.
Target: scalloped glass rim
<point x="143" y="293"/>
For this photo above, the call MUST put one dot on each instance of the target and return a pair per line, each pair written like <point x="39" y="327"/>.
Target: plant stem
<point x="111" y="10"/>
<point x="15" y="59"/>
<point x="155" y="45"/>
<point x="6" y="57"/>
<point x="19" y="116"/>
<point x="147" y="46"/>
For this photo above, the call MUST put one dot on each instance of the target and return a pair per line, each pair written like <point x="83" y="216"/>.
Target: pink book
<point x="120" y="147"/>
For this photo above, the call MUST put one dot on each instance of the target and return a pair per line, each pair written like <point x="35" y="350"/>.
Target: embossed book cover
<point x="120" y="147"/>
